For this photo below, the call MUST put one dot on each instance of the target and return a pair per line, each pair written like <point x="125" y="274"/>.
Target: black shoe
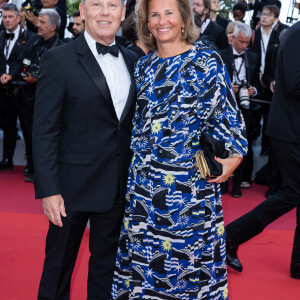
<point x="6" y="164"/>
<point x="236" y="191"/>
<point x="295" y="270"/>
<point x="231" y="255"/>
<point x="270" y="192"/>
<point x="29" y="179"/>
<point x="28" y="171"/>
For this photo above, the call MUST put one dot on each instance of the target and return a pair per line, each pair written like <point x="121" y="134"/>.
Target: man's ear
<point x="53" y="28"/>
<point x="81" y="9"/>
<point x="123" y="13"/>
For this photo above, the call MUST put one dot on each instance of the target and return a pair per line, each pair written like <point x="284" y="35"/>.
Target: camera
<point x="243" y="94"/>
<point x="28" y="67"/>
<point x="32" y="5"/>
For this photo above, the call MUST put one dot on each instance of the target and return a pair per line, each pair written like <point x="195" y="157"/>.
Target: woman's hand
<point x="229" y="165"/>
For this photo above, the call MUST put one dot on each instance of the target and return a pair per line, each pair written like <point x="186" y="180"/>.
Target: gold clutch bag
<point x="203" y="166"/>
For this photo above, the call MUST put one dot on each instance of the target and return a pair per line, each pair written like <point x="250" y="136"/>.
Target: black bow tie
<point x="239" y="55"/>
<point x="113" y="50"/>
<point x="9" y="36"/>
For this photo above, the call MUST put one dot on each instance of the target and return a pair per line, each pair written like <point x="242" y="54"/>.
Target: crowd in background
<point x="249" y="53"/>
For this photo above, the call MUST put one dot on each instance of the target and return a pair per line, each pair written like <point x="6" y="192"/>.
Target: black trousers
<point x="9" y="110"/>
<point x="62" y="246"/>
<point x="284" y="200"/>
<point x="27" y="101"/>
<point x="245" y="169"/>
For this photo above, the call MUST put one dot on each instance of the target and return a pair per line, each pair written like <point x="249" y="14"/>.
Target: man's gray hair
<point x="243" y="29"/>
<point x="53" y="16"/>
<point x="10" y="7"/>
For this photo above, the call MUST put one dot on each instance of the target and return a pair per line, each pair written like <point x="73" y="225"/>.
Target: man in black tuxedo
<point x="209" y="30"/>
<point x="81" y="145"/>
<point x="12" y="42"/>
<point x="243" y="66"/>
<point x="264" y="37"/>
<point x="283" y="129"/>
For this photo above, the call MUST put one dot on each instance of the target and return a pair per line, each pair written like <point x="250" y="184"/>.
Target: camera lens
<point x="244" y="98"/>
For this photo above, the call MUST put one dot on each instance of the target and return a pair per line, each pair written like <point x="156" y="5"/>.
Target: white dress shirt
<point x="116" y="74"/>
<point x="9" y="46"/>
<point x="205" y="24"/>
<point x="239" y="64"/>
<point x="264" y="45"/>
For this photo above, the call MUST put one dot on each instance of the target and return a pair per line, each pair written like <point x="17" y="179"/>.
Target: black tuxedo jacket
<point x="279" y="27"/>
<point x="270" y="68"/>
<point x="13" y="60"/>
<point x="80" y="148"/>
<point x="274" y="39"/>
<point x="284" y="118"/>
<point x="251" y="62"/>
<point x="222" y="22"/>
<point x="216" y="34"/>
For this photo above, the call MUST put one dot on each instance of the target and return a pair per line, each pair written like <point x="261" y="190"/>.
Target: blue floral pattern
<point x="172" y="243"/>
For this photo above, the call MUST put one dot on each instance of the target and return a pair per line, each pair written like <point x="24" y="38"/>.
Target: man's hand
<point x="30" y="79"/>
<point x="54" y="208"/>
<point x="235" y="88"/>
<point x="272" y="84"/>
<point x="5" y="78"/>
<point x="229" y="165"/>
<point x="251" y="90"/>
<point x="32" y="18"/>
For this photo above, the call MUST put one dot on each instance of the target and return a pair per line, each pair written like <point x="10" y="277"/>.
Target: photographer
<point x="12" y="41"/>
<point x="29" y="13"/>
<point x="76" y="27"/>
<point x="47" y="38"/>
<point x="243" y="67"/>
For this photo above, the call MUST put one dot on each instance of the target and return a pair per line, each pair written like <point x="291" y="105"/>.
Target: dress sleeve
<point x="223" y="119"/>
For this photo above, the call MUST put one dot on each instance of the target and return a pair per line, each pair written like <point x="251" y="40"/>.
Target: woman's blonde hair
<point x="189" y="34"/>
<point x="230" y="27"/>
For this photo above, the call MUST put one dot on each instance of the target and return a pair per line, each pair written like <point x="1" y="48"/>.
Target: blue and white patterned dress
<point x="172" y="243"/>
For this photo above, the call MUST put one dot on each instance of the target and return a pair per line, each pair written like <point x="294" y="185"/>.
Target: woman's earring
<point x="182" y="30"/>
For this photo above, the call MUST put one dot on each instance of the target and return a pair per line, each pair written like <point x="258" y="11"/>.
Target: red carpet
<point x="23" y="228"/>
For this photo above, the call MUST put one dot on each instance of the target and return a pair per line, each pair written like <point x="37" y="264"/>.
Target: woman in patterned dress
<point x="172" y="243"/>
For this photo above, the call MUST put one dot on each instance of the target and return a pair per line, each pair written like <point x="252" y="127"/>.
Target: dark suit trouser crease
<point x="284" y="200"/>
<point x="26" y="112"/>
<point x="244" y="170"/>
<point x="62" y="246"/>
<point x="8" y="114"/>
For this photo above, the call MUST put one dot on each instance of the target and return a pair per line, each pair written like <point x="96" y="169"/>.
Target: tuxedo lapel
<point x="17" y="43"/>
<point x="90" y="64"/>
<point x="2" y="39"/>
<point x="273" y="39"/>
<point x="231" y="65"/>
<point x="131" y="98"/>
<point x="247" y="66"/>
